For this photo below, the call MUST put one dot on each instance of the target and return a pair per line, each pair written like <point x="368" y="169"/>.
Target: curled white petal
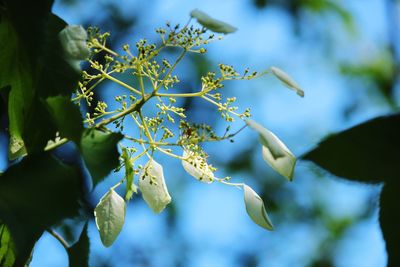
<point x="197" y="167"/>
<point x="256" y="209"/>
<point x="211" y="23"/>
<point x="287" y="80"/>
<point x="274" y="151"/>
<point x="153" y="187"/>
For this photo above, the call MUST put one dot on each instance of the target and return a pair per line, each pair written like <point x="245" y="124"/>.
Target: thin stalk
<point x="169" y="153"/>
<point x="220" y="106"/>
<point x="201" y="93"/>
<point x="59" y="238"/>
<point x="146" y="129"/>
<point x="97" y="44"/>
<point x="135" y="107"/>
<point x="130" y="88"/>
<point x="171" y="69"/>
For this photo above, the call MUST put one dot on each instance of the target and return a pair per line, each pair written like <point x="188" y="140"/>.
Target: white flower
<point x="197" y="167"/>
<point x="153" y="187"/>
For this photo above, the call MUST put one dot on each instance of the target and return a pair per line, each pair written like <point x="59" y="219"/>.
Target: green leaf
<point x="129" y="174"/>
<point x="66" y="116"/>
<point x="15" y="72"/>
<point x="110" y="217"/>
<point x="78" y="254"/>
<point x="211" y="23"/>
<point x="390" y="221"/>
<point x="255" y="208"/>
<point x="36" y="193"/>
<point x="368" y="152"/>
<point x="7" y="247"/>
<point x="153" y="187"/>
<point x="32" y="65"/>
<point x="287" y="80"/>
<point x="274" y="151"/>
<point x="99" y="150"/>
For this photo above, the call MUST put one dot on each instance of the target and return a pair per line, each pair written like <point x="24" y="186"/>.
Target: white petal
<point x="255" y="208"/>
<point x="197" y="167"/>
<point x="274" y="151"/>
<point x="154" y="190"/>
<point x="73" y="40"/>
<point x="287" y="80"/>
<point x="211" y="23"/>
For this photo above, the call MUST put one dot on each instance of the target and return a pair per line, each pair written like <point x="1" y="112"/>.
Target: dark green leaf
<point x="7" y="248"/>
<point x="211" y="23"/>
<point x="67" y="117"/>
<point x="36" y="193"/>
<point x="78" y="254"/>
<point x="368" y="152"/>
<point x="58" y="76"/>
<point x="15" y="72"/>
<point x="110" y="217"/>
<point x="389" y="219"/>
<point x="99" y="150"/>
<point x="32" y="64"/>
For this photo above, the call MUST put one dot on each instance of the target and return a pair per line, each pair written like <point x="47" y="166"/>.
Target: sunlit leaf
<point x="211" y="23"/>
<point x="287" y="80"/>
<point x="368" y="152"/>
<point x="100" y="153"/>
<point x="274" y="151"/>
<point x="7" y="247"/>
<point x="32" y="65"/>
<point x="15" y="72"/>
<point x="110" y="217"/>
<point x="153" y="187"/>
<point x="197" y="167"/>
<point x="78" y="253"/>
<point x="256" y="209"/>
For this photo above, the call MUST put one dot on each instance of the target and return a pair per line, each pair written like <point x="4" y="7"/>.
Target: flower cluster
<point x="149" y="82"/>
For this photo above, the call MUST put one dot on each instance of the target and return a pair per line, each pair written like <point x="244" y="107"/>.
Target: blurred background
<point x="345" y="54"/>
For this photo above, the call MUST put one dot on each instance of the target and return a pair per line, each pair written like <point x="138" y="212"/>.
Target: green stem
<point x="220" y="106"/>
<point x="146" y="129"/>
<point x="140" y="77"/>
<point x="201" y="93"/>
<point x="238" y="185"/>
<point x="111" y="78"/>
<point x="135" y="107"/>
<point x="102" y="47"/>
<point x="171" y="69"/>
<point x="88" y="90"/>
<point x="169" y="153"/>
